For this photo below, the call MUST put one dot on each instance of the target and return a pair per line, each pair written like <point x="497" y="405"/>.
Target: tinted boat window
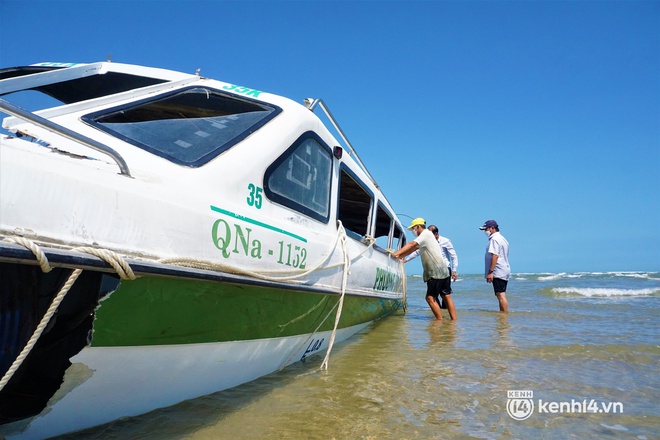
<point x="300" y="178"/>
<point x="189" y="127"/>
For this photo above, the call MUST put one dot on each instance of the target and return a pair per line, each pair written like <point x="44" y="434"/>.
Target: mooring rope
<point x="122" y="268"/>
<point x="404" y="285"/>
<point x="294" y="352"/>
<point x="267" y="274"/>
<point x="36" y="250"/>
<point x="344" y="279"/>
<point x="125" y="272"/>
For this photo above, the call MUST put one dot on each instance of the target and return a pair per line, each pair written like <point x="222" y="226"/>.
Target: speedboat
<point x="164" y="236"/>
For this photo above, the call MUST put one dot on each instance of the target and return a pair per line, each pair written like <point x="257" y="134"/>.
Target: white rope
<point x="40" y="328"/>
<point x="266" y="274"/>
<point x="122" y="268"/>
<point x="297" y="350"/>
<point x="36" y="250"/>
<point x="125" y="272"/>
<point x="347" y="266"/>
<point x="341" y="234"/>
<point x="117" y="262"/>
<point x="405" y="287"/>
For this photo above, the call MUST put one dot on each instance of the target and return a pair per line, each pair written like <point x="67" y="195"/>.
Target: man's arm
<point x="493" y="263"/>
<point x="454" y="261"/>
<point x="452" y="254"/>
<point x="412" y="256"/>
<point x="407" y="249"/>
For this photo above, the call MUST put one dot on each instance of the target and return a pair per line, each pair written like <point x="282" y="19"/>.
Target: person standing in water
<point x="436" y="273"/>
<point x="497" y="262"/>
<point x="448" y="253"/>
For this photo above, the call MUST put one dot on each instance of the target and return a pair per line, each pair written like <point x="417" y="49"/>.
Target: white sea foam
<point x="614" y="427"/>
<point x="603" y="292"/>
<point x="545" y="276"/>
<point x="642" y="275"/>
<point x="552" y="277"/>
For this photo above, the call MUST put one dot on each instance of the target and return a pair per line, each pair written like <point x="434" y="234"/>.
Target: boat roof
<point x="77" y="82"/>
<point x="92" y="80"/>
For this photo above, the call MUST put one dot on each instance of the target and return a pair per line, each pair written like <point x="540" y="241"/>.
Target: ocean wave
<point x="544" y="276"/>
<point x="553" y="277"/>
<point x="642" y="275"/>
<point x="603" y="292"/>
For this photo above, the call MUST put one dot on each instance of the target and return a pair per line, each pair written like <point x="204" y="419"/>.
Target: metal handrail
<point x="311" y="103"/>
<point x="26" y="115"/>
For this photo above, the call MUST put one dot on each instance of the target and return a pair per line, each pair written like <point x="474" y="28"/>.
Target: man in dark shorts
<point x="438" y="289"/>
<point x="448" y="253"/>
<point x="497" y="262"/>
<point x="436" y="273"/>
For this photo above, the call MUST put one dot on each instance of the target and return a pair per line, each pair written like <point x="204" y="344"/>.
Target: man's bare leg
<point x="450" y="306"/>
<point x="435" y="307"/>
<point x="504" y="305"/>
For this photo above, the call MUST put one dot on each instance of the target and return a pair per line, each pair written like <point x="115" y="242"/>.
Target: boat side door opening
<point x="399" y="236"/>
<point x="383" y="229"/>
<point x="387" y="232"/>
<point x="354" y="205"/>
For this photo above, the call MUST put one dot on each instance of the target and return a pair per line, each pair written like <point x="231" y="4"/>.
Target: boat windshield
<point x="189" y="127"/>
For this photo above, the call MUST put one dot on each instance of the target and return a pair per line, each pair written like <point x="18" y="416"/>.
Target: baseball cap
<point x="488" y="224"/>
<point x="417" y="221"/>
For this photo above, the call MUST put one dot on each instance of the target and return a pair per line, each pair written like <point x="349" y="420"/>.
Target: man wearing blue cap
<point x="436" y="273"/>
<point x="497" y="262"/>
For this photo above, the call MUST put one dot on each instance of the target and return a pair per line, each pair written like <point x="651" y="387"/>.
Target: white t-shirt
<point x="448" y="253"/>
<point x="432" y="260"/>
<point x="498" y="245"/>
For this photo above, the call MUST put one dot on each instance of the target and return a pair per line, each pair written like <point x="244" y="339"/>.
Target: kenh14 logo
<point x="519" y="404"/>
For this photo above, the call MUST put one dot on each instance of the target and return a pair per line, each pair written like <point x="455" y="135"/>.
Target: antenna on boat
<point x="109" y="59"/>
<point x="197" y="71"/>
<point x="405" y="215"/>
<point x="310" y="103"/>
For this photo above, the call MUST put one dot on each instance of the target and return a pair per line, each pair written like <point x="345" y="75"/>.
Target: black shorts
<point x="499" y="285"/>
<point x="435" y="287"/>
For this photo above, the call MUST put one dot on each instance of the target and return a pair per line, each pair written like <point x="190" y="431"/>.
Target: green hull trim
<point x="156" y="310"/>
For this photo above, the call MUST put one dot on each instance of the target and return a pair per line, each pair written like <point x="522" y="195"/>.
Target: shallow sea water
<point x="585" y="341"/>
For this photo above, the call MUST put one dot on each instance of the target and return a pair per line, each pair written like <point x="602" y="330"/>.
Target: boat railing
<point x="311" y="103"/>
<point x="26" y="115"/>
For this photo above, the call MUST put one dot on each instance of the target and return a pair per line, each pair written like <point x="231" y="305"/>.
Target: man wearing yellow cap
<point x="436" y="273"/>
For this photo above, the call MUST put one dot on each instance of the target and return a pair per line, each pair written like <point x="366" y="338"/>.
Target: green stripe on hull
<point x="162" y="310"/>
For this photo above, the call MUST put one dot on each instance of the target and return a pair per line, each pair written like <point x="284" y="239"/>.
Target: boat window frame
<point x="402" y="236"/>
<point x="380" y="207"/>
<point x="289" y="202"/>
<point x="343" y="168"/>
<point x="91" y="119"/>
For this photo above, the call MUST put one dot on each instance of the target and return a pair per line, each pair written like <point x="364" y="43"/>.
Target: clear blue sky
<point x="544" y="115"/>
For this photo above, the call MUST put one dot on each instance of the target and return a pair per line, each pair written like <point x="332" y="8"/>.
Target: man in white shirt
<point x="448" y="253"/>
<point x="497" y="262"/>
<point x="436" y="273"/>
